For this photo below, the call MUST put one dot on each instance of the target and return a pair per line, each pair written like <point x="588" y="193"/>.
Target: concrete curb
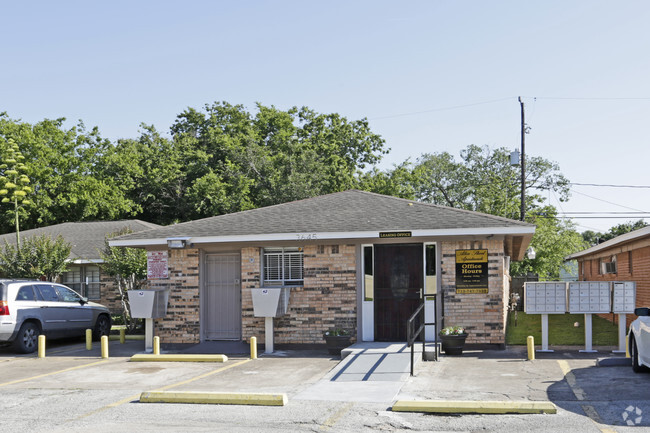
<point x="126" y="337"/>
<point x="142" y="357"/>
<point x="483" y="407"/>
<point x="614" y="362"/>
<point x="259" y="399"/>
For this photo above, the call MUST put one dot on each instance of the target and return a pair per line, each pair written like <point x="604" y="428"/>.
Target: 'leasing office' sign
<point x="471" y="271"/>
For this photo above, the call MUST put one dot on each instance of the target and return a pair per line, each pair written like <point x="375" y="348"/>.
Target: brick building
<point x="624" y="258"/>
<point x="353" y="260"/>
<point x="87" y="240"/>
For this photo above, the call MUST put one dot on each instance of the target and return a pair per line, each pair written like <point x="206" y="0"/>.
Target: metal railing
<point x="412" y="334"/>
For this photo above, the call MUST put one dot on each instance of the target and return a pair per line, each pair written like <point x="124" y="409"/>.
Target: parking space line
<point x="53" y="373"/>
<point x="137" y="396"/>
<point x="329" y="423"/>
<point x="571" y="380"/>
<point x="580" y="394"/>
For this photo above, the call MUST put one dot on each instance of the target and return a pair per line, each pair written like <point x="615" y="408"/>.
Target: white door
<point x="221" y="303"/>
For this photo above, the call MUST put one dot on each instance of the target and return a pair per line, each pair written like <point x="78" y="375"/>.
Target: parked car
<point x="31" y="308"/>
<point x="639" y="340"/>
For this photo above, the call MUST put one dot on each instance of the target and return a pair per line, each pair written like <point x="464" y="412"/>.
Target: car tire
<point x="634" y="354"/>
<point x="102" y="327"/>
<point x="27" y="339"/>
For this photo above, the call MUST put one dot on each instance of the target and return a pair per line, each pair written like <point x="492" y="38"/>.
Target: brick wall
<point x="109" y="295"/>
<point x="632" y="264"/>
<point x="326" y="300"/>
<point x="483" y="315"/>
<point x="182" y="322"/>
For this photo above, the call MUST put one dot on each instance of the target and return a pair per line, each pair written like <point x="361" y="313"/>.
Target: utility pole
<point x="523" y="161"/>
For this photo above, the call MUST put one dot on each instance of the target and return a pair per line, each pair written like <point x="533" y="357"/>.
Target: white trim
<point x="367" y="307"/>
<point x="307" y="236"/>
<point x="86" y="261"/>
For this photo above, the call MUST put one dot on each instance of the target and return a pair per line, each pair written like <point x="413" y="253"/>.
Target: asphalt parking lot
<point x="73" y="389"/>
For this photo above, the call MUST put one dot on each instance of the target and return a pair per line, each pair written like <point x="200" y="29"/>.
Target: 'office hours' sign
<point x="471" y="271"/>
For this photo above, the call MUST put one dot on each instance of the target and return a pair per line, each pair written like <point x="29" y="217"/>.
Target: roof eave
<point x="524" y="231"/>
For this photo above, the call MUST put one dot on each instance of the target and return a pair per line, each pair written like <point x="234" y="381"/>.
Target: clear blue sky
<point x="583" y="68"/>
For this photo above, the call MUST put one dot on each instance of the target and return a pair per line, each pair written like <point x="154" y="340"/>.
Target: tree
<point x="397" y="182"/>
<point x="65" y="169"/>
<point x="554" y="239"/>
<point x="594" y="238"/>
<point x="128" y="267"/>
<point x="273" y="156"/>
<point x="484" y="181"/>
<point x="14" y="183"/>
<point x="39" y="256"/>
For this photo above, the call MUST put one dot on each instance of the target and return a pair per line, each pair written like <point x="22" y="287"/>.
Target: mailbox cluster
<point x="624" y="297"/>
<point x="588" y="297"/>
<point x="545" y="298"/>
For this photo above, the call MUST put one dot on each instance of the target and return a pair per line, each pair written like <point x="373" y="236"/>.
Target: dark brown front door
<point x="398" y="281"/>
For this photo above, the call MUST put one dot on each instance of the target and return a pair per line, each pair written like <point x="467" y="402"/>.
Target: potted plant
<point x="336" y="339"/>
<point x="453" y="339"/>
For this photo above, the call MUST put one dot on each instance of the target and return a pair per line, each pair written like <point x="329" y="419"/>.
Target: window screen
<point x="283" y="267"/>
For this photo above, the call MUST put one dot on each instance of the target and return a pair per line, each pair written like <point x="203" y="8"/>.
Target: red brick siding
<point x="640" y="273"/>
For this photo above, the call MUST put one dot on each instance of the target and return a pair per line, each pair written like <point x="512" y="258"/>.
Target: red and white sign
<point x="157" y="265"/>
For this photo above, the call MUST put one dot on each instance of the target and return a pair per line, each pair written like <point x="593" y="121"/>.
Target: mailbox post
<point x="270" y="303"/>
<point x="148" y="304"/>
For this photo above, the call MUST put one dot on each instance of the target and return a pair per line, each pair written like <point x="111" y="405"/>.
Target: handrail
<point x="412" y="334"/>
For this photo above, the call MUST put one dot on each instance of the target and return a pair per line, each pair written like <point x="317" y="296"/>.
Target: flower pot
<point x="453" y="344"/>
<point x="336" y="343"/>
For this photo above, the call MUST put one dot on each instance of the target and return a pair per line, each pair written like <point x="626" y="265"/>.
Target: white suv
<point x="31" y="308"/>
<point x="639" y="340"/>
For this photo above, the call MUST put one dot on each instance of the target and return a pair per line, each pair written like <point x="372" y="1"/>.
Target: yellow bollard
<point x="104" y="346"/>
<point x="253" y="344"/>
<point x="156" y="345"/>
<point x="530" y="342"/>
<point x="627" y="346"/>
<point x="41" y="346"/>
<point x="89" y="339"/>
<point x="122" y="335"/>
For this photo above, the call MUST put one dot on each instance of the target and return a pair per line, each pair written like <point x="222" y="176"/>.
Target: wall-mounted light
<point x="177" y="242"/>
<point x="530" y="253"/>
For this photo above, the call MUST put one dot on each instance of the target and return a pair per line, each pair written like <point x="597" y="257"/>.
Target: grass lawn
<point x="561" y="330"/>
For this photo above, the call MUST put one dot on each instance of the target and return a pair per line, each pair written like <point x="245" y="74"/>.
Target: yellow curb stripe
<point x="336" y="417"/>
<point x="126" y="337"/>
<point x="484" y="407"/>
<point x="142" y="357"/>
<point x="136" y="396"/>
<point x="571" y="380"/>
<point x="13" y="382"/>
<point x="254" y="399"/>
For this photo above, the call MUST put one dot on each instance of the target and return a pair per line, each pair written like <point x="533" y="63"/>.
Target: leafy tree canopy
<point x="38" y="256"/>
<point x="594" y="238"/>
<point x="554" y="239"/>
<point x="483" y="180"/>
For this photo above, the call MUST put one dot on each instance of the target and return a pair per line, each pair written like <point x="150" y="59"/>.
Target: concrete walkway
<point x="369" y="372"/>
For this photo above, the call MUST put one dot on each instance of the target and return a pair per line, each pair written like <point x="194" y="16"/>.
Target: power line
<point x="569" y="98"/>
<point x="604" y="213"/>
<point x="559" y="98"/>
<point x="605" y="201"/>
<point x="433" y="110"/>
<point x="609" y="185"/>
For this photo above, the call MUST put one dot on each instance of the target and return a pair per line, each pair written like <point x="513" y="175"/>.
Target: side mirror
<point x="83" y="300"/>
<point x="642" y="311"/>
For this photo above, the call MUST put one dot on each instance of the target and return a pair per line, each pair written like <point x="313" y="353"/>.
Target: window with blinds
<point x="282" y="266"/>
<point x="84" y="280"/>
